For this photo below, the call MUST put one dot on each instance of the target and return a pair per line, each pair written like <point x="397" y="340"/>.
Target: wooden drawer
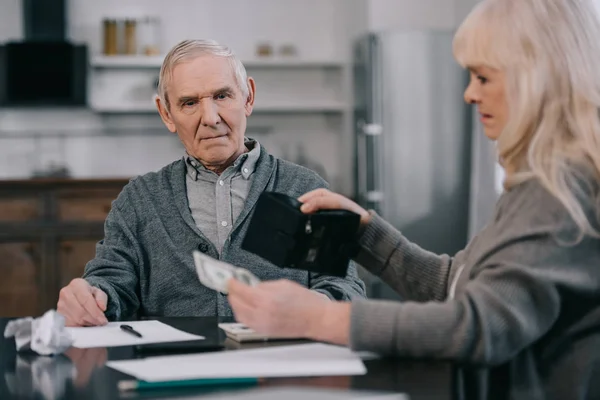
<point x="19" y="209"/>
<point x="20" y="284"/>
<point x="87" y="205"/>
<point x="73" y="255"/>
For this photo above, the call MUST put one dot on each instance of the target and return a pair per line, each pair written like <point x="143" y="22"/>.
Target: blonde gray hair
<point x="188" y="50"/>
<point x="549" y="51"/>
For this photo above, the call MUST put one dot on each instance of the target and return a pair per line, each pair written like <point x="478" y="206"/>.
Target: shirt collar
<point x="245" y="163"/>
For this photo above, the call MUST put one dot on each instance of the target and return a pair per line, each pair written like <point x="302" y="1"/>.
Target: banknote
<point x="215" y="273"/>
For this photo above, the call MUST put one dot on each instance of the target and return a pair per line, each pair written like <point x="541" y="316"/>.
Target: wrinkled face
<point x="487" y="90"/>
<point x="207" y="110"/>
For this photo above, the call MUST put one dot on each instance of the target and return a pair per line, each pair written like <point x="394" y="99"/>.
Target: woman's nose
<point x="471" y="93"/>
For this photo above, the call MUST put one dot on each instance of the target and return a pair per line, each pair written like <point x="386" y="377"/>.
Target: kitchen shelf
<point x="156" y="62"/>
<point x="299" y="107"/>
<point x="126" y="61"/>
<point x="327" y="107"/>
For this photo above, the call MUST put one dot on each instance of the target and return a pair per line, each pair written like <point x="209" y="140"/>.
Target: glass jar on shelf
<point x="148" y="36"/>
<point x="130" y="37"/>
<point x="110" y="33"/>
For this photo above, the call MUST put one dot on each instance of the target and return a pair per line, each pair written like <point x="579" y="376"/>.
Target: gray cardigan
<point x="144" y="263"/>
<point x="516" y="284"/>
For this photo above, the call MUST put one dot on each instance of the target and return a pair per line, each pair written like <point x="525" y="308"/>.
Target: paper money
<point x="215" y="274"/>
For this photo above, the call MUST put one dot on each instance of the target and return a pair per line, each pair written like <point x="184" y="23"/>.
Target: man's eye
<point x="482" y="79"/>
<point x="221" y="96"/>
<point x="189" y="103"/>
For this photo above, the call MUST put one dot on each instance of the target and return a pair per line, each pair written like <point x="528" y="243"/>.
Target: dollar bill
<point x="215" y="273"/>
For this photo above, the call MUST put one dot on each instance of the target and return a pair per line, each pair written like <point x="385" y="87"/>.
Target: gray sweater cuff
<point x="378" y="242"/>
<point x="372" y="326"/>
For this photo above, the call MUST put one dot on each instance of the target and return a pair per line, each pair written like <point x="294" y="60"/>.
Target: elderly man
<point x="144" y="265"/>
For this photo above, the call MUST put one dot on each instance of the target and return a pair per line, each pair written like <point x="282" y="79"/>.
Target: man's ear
<point x="249" y="106"/>
<point x="165" y="115"/>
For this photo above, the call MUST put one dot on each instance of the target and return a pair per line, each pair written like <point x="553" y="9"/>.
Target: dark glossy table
<point x="81" y="373"/>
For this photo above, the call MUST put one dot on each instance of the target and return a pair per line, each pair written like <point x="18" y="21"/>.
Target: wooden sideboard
<point x="48" y="232"/>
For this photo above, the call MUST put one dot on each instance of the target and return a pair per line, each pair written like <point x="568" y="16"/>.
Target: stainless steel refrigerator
<point x="413" y="138"/>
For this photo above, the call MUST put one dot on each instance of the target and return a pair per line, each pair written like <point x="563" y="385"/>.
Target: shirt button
<point x="223" y="223"/>
<point x="203" y="247"/>
<point x="245" y="170"/>
<point x="221" y="183"/>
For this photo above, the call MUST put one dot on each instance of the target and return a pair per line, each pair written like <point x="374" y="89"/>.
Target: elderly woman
<point x="533" y="273"/>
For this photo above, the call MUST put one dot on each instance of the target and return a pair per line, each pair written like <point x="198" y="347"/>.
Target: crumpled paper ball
<point x="45" y="335"/>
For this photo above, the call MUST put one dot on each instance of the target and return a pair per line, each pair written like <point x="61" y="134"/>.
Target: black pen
<point x="129" y="329"/>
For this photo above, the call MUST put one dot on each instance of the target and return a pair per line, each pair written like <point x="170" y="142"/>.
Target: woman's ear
<point x="165" y="114"/>
<point x="249" y="106"/>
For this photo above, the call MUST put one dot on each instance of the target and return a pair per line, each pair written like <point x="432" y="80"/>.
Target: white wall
<point x="241" y="24"/>
<point x="321" y="29"/>
<point x="314" y="26"/>
<point x="463" y="8"/>
<point x="88" y="144"/>
<point x="422" y="14"/>
<point x="410" y="14"/>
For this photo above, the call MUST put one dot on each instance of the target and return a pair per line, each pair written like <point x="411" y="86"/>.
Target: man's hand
<point x="82" y="304"/>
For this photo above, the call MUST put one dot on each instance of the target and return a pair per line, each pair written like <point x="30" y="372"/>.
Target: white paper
<point x="112" y="335"/>
<point x="313" y="359"/>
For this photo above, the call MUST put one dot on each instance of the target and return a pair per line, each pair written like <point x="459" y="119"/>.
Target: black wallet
<point x="322" y="242"/>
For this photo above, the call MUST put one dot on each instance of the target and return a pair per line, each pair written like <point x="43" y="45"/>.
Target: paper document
<point x="313" y="359"/>
<point x="112" y="335"/>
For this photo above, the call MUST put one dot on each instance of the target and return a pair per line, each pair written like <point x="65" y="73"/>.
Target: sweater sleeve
<point x="347" y="288"/>
<point x="416" y="274"/>
<point x="521" y="272"/>
<point x="114" y="269"/>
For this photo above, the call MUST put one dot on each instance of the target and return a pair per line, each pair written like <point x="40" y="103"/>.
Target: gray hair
<point x="190" y="49"/>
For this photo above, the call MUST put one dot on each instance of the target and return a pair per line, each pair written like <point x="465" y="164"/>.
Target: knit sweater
<point x="522" y="280"/>
<point x="145" y="264"/>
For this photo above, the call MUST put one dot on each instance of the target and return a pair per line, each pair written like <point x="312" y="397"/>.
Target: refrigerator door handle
<point x="361" y="150"/>
<point x="369" y="192"/>
<point x="374" y="132"/>
<point x="372" y="129"/>
<point x="374" y="196"/>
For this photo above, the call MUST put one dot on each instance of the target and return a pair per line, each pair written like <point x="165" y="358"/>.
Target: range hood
<point x="44" y="69"/>
<point x="44" y="20"/>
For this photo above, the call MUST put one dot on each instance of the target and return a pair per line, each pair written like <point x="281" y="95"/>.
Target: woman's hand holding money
<point x="285" y="309"/>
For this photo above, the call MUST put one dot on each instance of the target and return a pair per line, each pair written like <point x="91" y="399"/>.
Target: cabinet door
<point x="16" y="209"/>
<point x="73" y="255"/>
<point x="21" y="285"/>
<point x="90" y="205"/>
